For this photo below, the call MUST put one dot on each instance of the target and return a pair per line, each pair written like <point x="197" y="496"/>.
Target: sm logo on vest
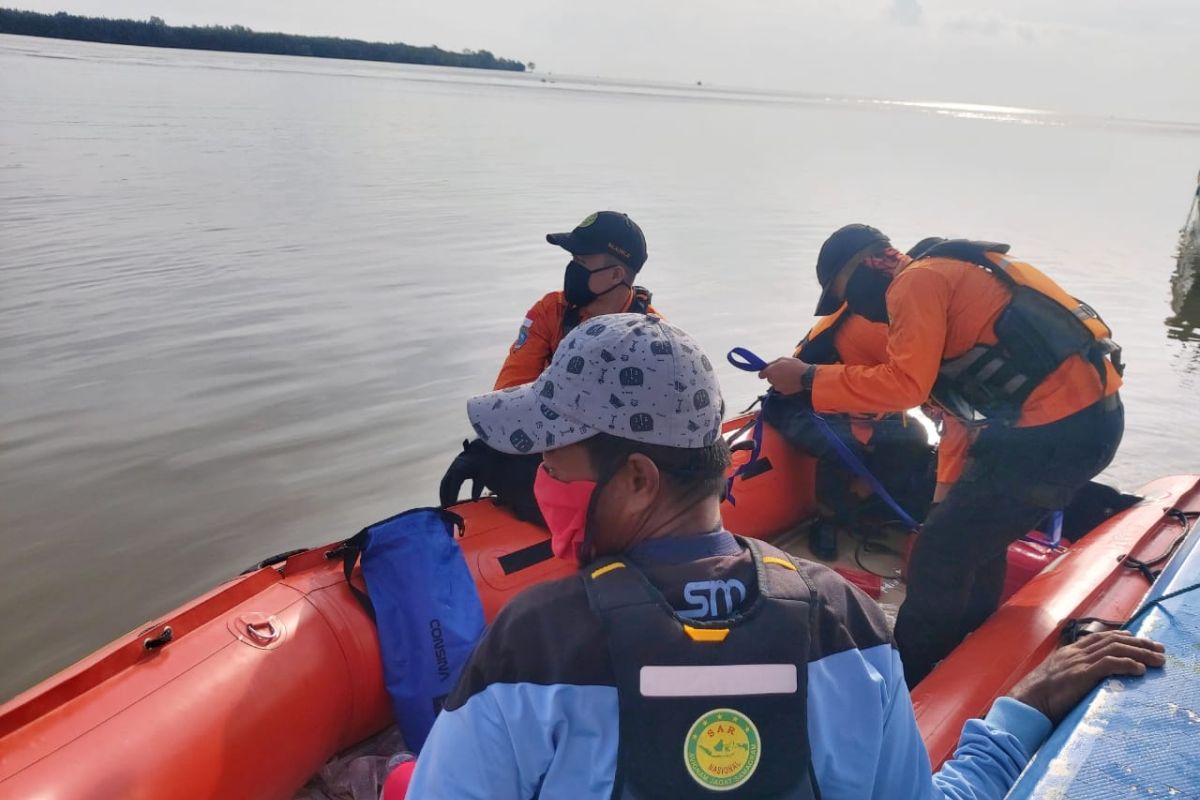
<point x="722" y="749"/>
<point x="702" y="597"/>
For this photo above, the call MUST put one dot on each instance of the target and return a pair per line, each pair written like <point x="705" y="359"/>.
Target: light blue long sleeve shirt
<point x="534" y="716"/>
<point x="523" y="740"/>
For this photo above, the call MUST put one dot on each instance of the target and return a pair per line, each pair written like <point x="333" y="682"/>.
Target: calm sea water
<point x="244" y="298"/>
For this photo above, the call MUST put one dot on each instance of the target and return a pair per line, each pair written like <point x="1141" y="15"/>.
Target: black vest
<point x="819" y="348"/>
<point x="709" y="709"/>
<point x="1035" y="335"/>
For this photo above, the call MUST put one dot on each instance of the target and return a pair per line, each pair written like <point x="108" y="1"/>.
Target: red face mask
<point x="564" y="505"/>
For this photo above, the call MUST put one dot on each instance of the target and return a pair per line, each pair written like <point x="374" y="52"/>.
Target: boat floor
<point x="882" y="558"/>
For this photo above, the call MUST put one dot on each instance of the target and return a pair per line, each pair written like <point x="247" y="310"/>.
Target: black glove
<point x="472" y="464"/>
<point x="510" y="477"/>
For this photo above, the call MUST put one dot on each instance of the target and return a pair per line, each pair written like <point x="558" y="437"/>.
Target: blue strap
<point x="756" y="436"/>
<point x="1048" y="532"/>
<point x="855" y="465"/>
<point x="746" y="360"/>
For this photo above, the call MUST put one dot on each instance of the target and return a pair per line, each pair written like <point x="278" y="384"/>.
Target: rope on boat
<point x="1158" y="601"/>
<point x="1146" y="566"/>
<point x="1078" y="627"/>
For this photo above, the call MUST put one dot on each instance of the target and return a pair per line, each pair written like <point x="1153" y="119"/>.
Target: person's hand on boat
<point x="789" y="375"/>
<point x="1070" y="672"/>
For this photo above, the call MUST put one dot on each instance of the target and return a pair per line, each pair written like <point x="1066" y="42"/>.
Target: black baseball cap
<point x="605" y="232"/>
<point x="848" y="245"/>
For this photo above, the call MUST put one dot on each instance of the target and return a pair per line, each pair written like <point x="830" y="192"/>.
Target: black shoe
<point x="823" y="541"/>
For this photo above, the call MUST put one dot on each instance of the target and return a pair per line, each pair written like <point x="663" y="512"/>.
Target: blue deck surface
<point x="1136" y="737"/>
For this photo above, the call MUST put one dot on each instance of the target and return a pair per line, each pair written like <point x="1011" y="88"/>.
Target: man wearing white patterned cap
<point x="683" y="661"/>
<point x="608" y="251"/>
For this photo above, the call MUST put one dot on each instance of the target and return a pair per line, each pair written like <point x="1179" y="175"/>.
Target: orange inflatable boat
<point x="249" y="689"/>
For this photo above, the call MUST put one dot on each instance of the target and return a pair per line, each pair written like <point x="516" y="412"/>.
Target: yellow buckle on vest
<point x="706" y="634"/>
<point x="783" y="562"/>
<point x="607" y="569"/>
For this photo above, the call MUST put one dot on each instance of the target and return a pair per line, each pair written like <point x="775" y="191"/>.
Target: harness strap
<point x="751" y="466"/>
<point x="860" y="469"/>
<point x="349" y="552"/>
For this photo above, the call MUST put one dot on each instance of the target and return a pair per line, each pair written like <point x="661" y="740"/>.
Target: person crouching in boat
<point x="681" y="659"/>
<point x="1003" y="349"/>
<point x="608" y="250"/>
<point x="895" y="448"/>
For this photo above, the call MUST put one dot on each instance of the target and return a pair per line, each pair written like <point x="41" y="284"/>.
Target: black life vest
<point x="817" y="347"/>
<point x="709" y="709"/>
<point x="1040" y="328"/>
<point x="639" y="305"/>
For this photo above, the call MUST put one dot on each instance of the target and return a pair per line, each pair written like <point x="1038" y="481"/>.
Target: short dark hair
<point x="629" y="272"/>
<point x="691" y="472"/>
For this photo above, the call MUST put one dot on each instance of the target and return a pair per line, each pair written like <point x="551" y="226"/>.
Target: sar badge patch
<point x="523" y="334"/>
<point x="722" y="749"/>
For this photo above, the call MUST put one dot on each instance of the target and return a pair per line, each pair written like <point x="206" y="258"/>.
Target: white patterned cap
<point x="632" y="376"/>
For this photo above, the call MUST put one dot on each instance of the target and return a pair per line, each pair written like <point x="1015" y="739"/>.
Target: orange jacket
<point x="538" y="338"/>
<point x="858" y="341"/>
<point x="940" y="308"/>
<point x="861" y="342"/>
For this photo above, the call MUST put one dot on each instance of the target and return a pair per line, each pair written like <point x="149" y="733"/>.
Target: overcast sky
<point x="1109" y="57"/>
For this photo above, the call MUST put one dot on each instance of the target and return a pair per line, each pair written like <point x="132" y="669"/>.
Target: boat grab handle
<point x="262" y="631"/>
<point x="156" y="642"/>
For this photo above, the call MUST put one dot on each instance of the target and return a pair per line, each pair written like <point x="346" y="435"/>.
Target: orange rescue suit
<point x="939" y="309"/>
<point x="856" y="340"/>
<point x="861" y="342"/>
<point x="538" y="338"/>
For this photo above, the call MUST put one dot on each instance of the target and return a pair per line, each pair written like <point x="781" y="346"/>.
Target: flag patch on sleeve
<point x="523" y="334"/>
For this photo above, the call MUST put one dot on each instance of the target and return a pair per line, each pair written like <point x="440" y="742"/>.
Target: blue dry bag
<point x="425" y="606"/>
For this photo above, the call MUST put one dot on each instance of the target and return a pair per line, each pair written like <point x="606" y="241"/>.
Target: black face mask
<point x="866" y="293"/>
<point x="575" y="284"/>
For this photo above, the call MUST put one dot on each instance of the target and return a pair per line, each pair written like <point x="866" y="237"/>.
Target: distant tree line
<point x="239" y="39"/>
